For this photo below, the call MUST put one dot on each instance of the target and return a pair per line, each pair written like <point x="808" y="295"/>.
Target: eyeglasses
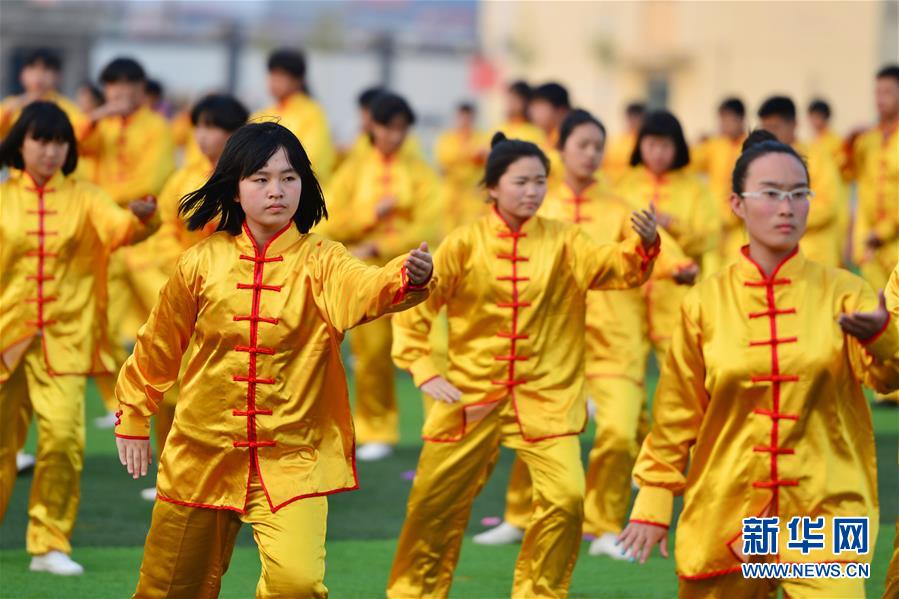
<point x="803" y="194"/>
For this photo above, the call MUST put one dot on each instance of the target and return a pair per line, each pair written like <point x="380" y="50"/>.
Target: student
<point x="660" y="176"/>
<point x="460" y="153"/>
<point x="40" y="81"/>
<point x="213" y="120"/>
<point x="56" y="235"/>
<point x="517" y="124"/>
<point x="616" y="350"/>
<point x="134" y="154"/>
<point x="548" y="107"/>
<point x="267" y="305"/>
<point x="515" y="287"/>
<point x="297" y="111"/>
<point x="363" y="144"/>
<point x="823" y="137"/>
<point x="825" y="233"/>
<point x="761" y="392"/>
<point x="715" y="158"/>
<point x="617" y="158"/>
<point x="380" y="204"/>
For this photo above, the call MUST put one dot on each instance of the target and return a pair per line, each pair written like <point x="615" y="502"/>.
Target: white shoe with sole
<point x="372" y="452"/>
<point x="504" y="534"/>
<point x="106" y="422"/>
<point x="606" y="545"/>
<point x="24" y="461"/>
<point x="56" y="562"/>
<point x="149" y="494"/>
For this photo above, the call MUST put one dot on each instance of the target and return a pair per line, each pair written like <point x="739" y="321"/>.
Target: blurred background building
<point x="682" y="55"/>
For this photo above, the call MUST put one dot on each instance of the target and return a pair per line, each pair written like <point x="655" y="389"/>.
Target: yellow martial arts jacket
<point x="617" y="158"/>
<point x="828" y="216"/>
<point x="616" y="318"/>
<point x="9" y="115"/>
<point x="830" y="143"/>
<point x="358" y="187"/>
<point x="516" y="304"/>
<point x="55" y="242"/>
<point x="876" y="169"/>
<point x="135" y="154"/>
<point x="681" y="194"/>
<point x="461" y="160"/>
<point x="265" y="388"/>
<point x="308" y="121"/>
<point x="716" y="158"/>
<point x="761" y="393"/>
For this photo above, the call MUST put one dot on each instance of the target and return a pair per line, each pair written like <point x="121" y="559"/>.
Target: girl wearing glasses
<point x="764" y="378"/>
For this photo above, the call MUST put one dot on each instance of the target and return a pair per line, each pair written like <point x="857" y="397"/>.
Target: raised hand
<point x="864" y="325"/>
<point x="442" y="390"/>
<point x="419" y="265"/>
<point x="644" y="223"/>
<point x="143" y="209"/>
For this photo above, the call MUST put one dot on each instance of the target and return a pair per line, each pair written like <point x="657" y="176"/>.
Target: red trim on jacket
<point x="659" y="524"/>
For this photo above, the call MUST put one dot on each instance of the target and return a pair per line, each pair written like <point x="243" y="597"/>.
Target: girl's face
<point x="657" y="153"/>
<point x="583" y="151"/>
<point x="43" y="158"/>
<point x="389" y="138"/>
<point x="211" y="140"/>
<point x="271" y="195"/>
<point x="520" y="190"/>
<point x="777" y="224"/>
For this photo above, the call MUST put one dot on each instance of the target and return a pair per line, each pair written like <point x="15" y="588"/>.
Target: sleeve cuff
<point x="647" y="255"/>
<point x="132" y="427"/>
<point x="423" y="370"/>
<point x="654" y="505"/>
<point x="883" y="344"/>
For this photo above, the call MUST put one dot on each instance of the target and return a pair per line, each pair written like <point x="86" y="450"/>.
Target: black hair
<point x="387" y="105"/>
<point x="661" y="123"/>
<point x="575" y="119"/>
<point x="890" y="70"/>
<point x="364" y="99"/>
<point x="292" y="62"/>
<point x="820" y="106"/>
<point x="94" y="91"/>
<point x="247" y="151"/>
<point x="734" y="106"/>
<point x="154" y="87"/>
<point x="466" y="107"/>
<point x="503" y="152"/>
<point x="521" y="89"/>
<point x="44" y="121"/>
<point x="552" y="92"/>
<point x="759" y="143"/>
<point x="220" y="110"/>
<point x="44" y="56"/>
<point x="635" y="109"/>
<point x="123" y="70"/>
<point x="780" y="106"/>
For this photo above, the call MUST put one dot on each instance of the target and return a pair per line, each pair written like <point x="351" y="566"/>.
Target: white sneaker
<point x="606" y="545"/>
<point x="591" y="408"/>
<point x="106" y="422"/>
<point x="372" y="452"/>
<point x="149" y="494"/>
<point x="504" y="534"/>
<point x="24" y="461"/>
<point x="56" y="562"/>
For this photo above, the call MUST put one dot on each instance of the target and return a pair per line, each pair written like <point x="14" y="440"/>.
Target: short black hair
<point x="554" y="93"/>
<point x="733" y="105"/>
<point x="123" y="70"/>
<point x="890" y="70"/>
<point x="575" y="119"/>
<point x="503" y="152"/>
<point x="521" y="89"/>
<point x="220" y="110"/>
<point x="154" y="87"/>
<point x="247" y="151"/>
<point x="759" y="143"/>
<point x="388" y="105"/>
<point x="661" y="123"/>
<point x="292" y="62"/>
<point x="43" y="56"/>
<point x="43" y="121"/>
<point x="635" y="109"/>
<point x="364" y="99"/>
<point x="781" y="106"/>
<point x="820" y="106"/>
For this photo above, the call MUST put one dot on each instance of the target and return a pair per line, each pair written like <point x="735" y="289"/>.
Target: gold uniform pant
<point x="621" y="425"/>
<point x="188" y="549"/>
<point x="449" y="477"/>
<point x="58" y="405"/>
<point x="375" y="417"/>
<point x="734" y="585"/>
